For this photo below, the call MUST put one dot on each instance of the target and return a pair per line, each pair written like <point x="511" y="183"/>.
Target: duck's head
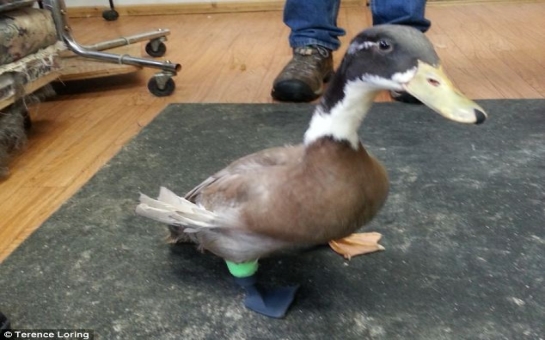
<point x="400" y="58"/>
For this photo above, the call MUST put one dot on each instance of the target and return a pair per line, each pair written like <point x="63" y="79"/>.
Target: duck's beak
<point x="433" y="88"/>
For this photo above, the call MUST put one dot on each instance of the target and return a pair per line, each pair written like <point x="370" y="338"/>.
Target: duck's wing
<point x="255" y="162"/>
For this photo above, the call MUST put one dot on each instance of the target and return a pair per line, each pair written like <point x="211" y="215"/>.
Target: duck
<point x="322" y="190"/>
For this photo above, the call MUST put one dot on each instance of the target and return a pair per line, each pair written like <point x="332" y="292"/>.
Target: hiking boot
<point x="302" y="79"/>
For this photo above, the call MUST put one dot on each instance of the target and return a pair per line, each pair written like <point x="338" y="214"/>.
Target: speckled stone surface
<point x="464" y="231"/>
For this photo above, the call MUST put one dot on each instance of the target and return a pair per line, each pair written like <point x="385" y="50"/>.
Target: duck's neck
<point x="341" y="112"/>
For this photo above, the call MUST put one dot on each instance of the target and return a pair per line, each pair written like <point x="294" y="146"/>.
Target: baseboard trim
<point x="233" y="7"/>
<point x="193" y="8"/>
<point x="469" y="2"/>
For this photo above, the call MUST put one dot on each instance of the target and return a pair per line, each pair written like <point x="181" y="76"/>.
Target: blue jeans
<point x="314" y="22"/>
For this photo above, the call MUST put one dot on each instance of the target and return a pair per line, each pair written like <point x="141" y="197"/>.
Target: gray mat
<point x="463" y="230"/>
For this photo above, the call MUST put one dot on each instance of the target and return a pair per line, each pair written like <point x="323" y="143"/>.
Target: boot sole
<point x="297" y="91"/>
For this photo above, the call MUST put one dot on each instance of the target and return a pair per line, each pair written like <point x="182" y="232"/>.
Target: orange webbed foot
<point x="357" y="244"/>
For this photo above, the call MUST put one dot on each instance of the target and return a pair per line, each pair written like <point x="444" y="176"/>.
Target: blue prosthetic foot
<point x="4" y="323"/>
<point x="273" y="302"/>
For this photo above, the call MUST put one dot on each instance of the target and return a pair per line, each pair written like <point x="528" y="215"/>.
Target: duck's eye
<point x="384" y="45"/>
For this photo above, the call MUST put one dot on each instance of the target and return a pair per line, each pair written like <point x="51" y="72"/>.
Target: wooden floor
<point x="491" y="50"/>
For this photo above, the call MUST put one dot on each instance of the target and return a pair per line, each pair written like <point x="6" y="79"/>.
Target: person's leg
<point x="314" y="34"/>
<point x="400" y="12"/>
<point x="313" y="23"/>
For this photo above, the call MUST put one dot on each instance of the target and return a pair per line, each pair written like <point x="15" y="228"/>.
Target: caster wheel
<point x="153" y="87"/>
<point x="156" y="52"/>
<point x="110" y="15"/>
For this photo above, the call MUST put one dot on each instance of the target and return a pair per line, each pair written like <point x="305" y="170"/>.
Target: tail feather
<point x="168" y="197"/>
<point x="184" y="206"/>
<point x="172" y="209"/>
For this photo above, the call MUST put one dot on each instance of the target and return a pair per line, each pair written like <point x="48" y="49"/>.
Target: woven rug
<point x="463" y="229"/>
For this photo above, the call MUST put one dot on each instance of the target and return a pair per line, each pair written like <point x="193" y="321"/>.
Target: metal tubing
<point x="118" y="58"/>
<point x="122" y="41"/>
<point x="58" y="10"/>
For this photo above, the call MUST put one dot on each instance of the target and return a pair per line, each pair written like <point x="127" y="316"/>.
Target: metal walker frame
<point x="161" y="84"/>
